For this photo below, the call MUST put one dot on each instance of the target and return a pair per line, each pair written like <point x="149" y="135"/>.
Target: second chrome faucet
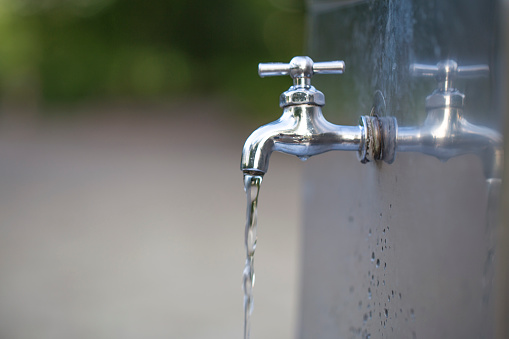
<point x="303" y="131"/>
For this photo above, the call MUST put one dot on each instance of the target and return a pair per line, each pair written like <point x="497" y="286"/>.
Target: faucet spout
<point x="302" y="131"/>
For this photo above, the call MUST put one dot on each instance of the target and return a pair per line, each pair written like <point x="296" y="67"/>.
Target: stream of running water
<point x="252" y="187"/>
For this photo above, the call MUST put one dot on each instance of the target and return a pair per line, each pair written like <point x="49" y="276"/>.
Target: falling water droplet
<point x="303" y="157"/>
<point x="372" y="256"/>
<point x="377" y="262"/>
<point x="386" y="312"/>
<point x="369" y="292"/>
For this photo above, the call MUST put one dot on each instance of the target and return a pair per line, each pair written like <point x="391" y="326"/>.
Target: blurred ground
<point x="127" y="222"/>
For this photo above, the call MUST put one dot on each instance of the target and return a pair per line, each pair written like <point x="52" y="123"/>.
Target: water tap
<point x="302" y="129"/>
<point x="445" y="132"/>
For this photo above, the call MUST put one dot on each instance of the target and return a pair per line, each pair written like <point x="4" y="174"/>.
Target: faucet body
<point x="303" y="131"/>
<point x="446" y="134"/>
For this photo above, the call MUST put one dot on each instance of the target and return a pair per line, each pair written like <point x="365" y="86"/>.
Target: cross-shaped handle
<point x="301" y="69"/>
<point x="448" y="70"/>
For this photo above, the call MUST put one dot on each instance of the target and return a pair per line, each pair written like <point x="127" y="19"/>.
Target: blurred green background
<point x="122" y="209"/>
<point x="56" y="52"/>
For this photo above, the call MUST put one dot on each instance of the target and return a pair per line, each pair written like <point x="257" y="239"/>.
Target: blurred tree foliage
<point x="75" y="50"/>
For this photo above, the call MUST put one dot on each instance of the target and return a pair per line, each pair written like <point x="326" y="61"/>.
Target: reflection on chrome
<point x="445" y="132"/>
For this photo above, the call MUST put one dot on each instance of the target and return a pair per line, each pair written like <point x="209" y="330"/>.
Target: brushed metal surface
<point x="403" y="250"/>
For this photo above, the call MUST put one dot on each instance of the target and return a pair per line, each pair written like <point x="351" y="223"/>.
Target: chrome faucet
<point x="302" y="130"/>
<point x="445" y="132"/>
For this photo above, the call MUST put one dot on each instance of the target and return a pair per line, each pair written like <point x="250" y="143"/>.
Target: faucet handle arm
<point x="301" y="69"/>
<point x="423" y="70"/>
<point x="329" y="67"/>
<point x="273" y="69"/>
<point x="473" y="71"/>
